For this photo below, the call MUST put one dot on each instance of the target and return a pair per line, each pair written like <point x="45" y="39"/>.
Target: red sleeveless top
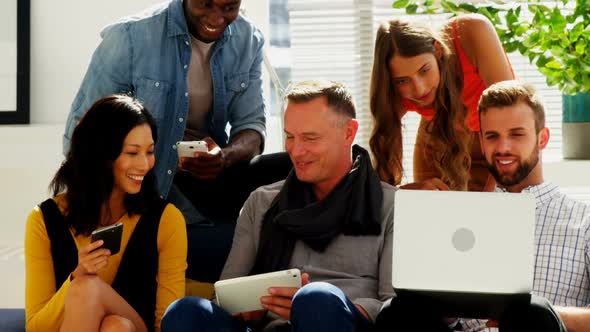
<point x="473" y="87"/>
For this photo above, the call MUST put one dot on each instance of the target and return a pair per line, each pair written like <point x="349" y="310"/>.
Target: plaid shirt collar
<point x="543" y="192"/>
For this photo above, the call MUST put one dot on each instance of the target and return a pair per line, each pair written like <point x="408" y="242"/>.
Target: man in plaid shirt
<point x="513" y="134"/>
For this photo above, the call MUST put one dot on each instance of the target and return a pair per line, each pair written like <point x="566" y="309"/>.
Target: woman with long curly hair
<point x="441" y="78"/>
<point x="74" y="284"/>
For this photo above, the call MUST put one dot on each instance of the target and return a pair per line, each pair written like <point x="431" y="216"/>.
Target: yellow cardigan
<point x="45" y="305"/>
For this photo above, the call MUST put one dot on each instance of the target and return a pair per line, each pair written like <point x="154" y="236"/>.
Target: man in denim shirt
<point x="196" y="65"/>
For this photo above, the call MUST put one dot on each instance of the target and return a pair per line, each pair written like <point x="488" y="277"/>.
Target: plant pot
<point x="576" y="126"/>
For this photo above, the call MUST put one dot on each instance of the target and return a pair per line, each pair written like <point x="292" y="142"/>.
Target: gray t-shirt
<point x="200" y="91"/>
<point x="359" y="265"/>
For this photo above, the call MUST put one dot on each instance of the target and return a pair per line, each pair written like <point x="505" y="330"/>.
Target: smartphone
<point x="188" y="148"/>
<point x="243" y="294"/>
<point x="111" y="235"/>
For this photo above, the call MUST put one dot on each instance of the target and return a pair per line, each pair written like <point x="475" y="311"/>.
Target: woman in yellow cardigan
<point x="107" y="178"/>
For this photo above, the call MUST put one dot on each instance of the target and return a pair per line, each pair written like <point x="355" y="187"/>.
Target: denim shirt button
<point x="186" y="94"/>
<point x="185" y="66"/>
<point x="169" y="172"/>
<point x="243" y="85"/>
<point x="180" y="119"/>
<point x="157" y="84"/>
<point x="173" y="146"/>
<point x="186" y="42"/>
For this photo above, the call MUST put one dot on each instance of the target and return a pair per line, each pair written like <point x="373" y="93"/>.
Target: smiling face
<point x="318" y="141"/>
<point x="207" y="19"/>
<point x="512" y="146"/>
<point x="416" y="78"/>
<point x="134" y="161"/>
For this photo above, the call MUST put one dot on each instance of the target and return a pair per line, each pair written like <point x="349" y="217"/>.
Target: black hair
<point x="86" y="175"/>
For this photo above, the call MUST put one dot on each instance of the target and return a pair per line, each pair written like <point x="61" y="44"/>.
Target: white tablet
<point x="243" y="294"/>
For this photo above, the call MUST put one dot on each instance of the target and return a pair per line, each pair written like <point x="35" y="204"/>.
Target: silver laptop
<point x="473" y="251"/>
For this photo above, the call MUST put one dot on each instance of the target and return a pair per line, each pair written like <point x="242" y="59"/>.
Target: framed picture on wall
<point x="14" y="61"/>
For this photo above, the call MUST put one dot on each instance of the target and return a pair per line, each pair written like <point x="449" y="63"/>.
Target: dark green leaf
<point x="448" y="6"/>
<point x="570" y="18"/>
<point x="581" y="47"/>
<point x="521" y="30"/>
<point x="412" y="8"/>
<point x="510" y="47"/>
<point x="485" y="12"/>
<point x="544" y="9"/>
<point x="532" y="56"/>
<point x="553" y="76"/>
<point x="541" y="61"/>
<point x="556" y="51"/>
<point x="468" y="7"/>
<point x="522" y="49"/>
<point x="564" y="42"/>
<point x="511" y="18"/>
<point x="532" y="39"/>
<point x="569" y="80"/>
<point x="545" y="44"/>
<point x="570" y="72"/>
<point x="558" y="22"/>
<point x="568" y="56"/>
<point x="534" y="8"/>
<point x="493" y="10"/>
<point x="576" y="32"/>
<point x="538" y="18"/>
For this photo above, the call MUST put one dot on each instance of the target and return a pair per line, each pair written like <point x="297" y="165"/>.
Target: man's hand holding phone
<point x="205" y="165"/>
<point x="280" y="298"/>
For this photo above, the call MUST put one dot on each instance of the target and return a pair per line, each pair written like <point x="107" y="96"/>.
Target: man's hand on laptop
<point x="430" y="184"/>
<point x="280" y="298"/>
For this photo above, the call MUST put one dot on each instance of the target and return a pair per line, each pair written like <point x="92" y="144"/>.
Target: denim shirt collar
<point x="178" y="26"/>
<point x="542" y="192"/>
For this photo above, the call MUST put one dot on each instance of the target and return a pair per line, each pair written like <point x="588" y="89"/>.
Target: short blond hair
<point x="508" y="93"/>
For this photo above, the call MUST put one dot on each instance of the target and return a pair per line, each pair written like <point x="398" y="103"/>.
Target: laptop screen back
<point x="463" y="242"/>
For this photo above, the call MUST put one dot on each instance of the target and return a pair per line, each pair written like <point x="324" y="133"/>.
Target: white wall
<point x="64" y="33"/>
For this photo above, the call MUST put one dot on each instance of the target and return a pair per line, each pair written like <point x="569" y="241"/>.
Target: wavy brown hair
<point x="447" y="134"/>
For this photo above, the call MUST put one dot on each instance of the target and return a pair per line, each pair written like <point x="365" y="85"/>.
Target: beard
<point x="522" y="171"/>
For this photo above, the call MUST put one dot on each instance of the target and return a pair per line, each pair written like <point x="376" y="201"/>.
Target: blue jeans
<point x="318" y="306"/>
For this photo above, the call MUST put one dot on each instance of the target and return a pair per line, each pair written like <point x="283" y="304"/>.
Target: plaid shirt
<point x="562" y="244"/>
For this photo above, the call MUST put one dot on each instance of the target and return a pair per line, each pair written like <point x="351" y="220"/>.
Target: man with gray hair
<point x="332" y="218"/>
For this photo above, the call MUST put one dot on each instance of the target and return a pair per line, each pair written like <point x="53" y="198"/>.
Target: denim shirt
<point x="148" y="55"/>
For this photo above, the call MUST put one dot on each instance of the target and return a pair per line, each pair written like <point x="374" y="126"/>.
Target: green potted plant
<point x="555" y="38"/>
